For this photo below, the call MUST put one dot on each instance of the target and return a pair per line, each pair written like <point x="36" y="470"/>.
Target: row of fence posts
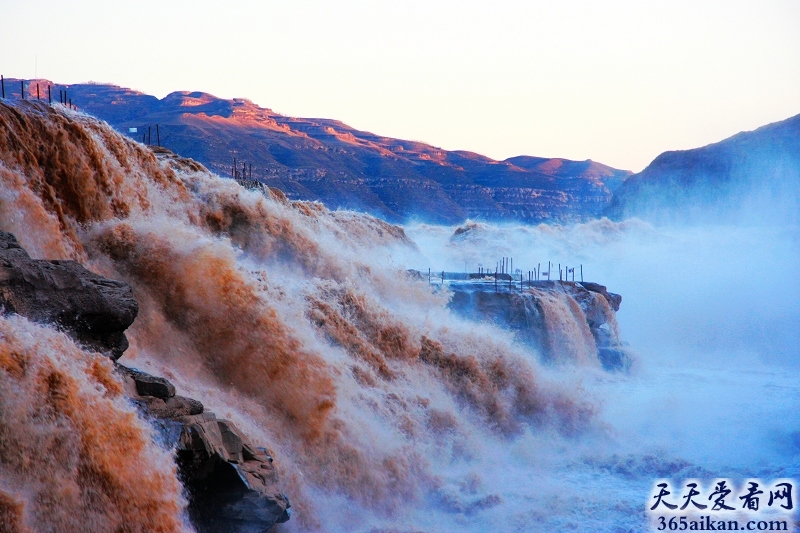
<point x="63" y="97"/>
<point x="65" y="100"/>
<point x="506" y="265"/>
<point x="243" y="174"/>
<point x="147" y="138"/>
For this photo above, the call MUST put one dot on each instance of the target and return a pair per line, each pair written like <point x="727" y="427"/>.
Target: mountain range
<point x="753" y="173"/>
<point x="399" y="180"/>
<point x="328" y="161"/>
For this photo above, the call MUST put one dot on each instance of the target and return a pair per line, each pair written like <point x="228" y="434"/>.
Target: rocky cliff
<point x="563" y="321"/>
<point x="326" y="160"/>
<point x="232" y="484"/>
<point x="752" y="173"/>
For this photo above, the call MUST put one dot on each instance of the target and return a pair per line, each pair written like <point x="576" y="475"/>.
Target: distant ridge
<point x="751" y="174"/>
<point x="326" y="160"/>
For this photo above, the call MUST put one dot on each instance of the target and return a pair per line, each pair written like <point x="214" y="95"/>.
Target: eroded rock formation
<point x="232" y="484"/>
<point x="94" y="310"/>
<point x="564" y="321"/>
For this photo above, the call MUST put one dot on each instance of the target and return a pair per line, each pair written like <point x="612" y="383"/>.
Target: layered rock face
<point x="564" y="321"/>
<point x="329" y="161"/>
<point x="231" y="483"/>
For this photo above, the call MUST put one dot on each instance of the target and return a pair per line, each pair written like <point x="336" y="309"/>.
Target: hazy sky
<point x="615" y="81"/>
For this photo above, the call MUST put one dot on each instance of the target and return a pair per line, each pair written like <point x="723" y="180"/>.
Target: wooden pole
<point x="3" y="86"/>
<point x="158" y="136"/>
<point x="429" y="276"/>
<point x="581" y="273"/>
<point x="49" y="96"/>
<point x="37" y="91"/>
<point x="495" y="279"/>
<point x="22" y="88"/>
<point x="70" y="103"/>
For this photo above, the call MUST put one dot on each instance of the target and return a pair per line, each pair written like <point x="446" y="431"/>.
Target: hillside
<point x="755" y="173"/>
<point x="326" y="160"/>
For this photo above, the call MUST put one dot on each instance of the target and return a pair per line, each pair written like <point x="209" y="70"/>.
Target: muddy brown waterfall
<point x="282" y="316"/>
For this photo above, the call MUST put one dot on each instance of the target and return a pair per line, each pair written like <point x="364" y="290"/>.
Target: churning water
<point x="384" y="410"/>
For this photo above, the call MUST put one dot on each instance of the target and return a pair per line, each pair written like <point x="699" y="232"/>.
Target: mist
<point x="710" y="312"/>
<point x="384" y="409"/>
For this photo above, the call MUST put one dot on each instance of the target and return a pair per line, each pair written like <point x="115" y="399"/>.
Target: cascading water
<point x="293" y="321"/>
<point x="75" y="456"/>
<point x="568" y="334"/>
<point x="384" y="410"/>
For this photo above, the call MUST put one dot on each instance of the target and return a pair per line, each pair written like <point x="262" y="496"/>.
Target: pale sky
<point x="614" y="81"/>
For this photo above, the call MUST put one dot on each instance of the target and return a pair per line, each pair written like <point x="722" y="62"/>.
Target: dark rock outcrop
<point x="232" y="484"/>
<point x="614" y="300"/>
<point x="94" y="310"/>
<point x="147" y="385"/>
<point x="542" y="313"/>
